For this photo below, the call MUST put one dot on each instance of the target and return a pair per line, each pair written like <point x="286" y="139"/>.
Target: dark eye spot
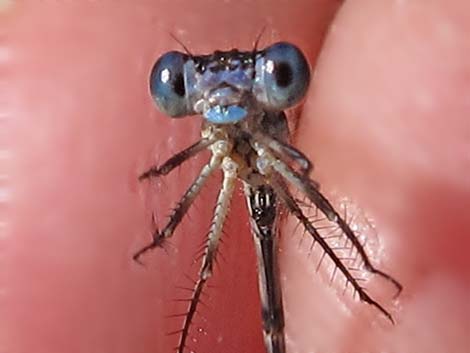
<point x="178" y="85"/>
<point x="283" y="73"/>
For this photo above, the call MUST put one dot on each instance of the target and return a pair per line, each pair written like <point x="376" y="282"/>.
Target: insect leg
<point x="262" y="205"/>
<point x="309" y="188"/>
<point x="283" y="193"/>
<point x="185" y="202"/>
<point x="176" y="160"/>
<point x="285" y="151"/>
<point x="229" y="168"/>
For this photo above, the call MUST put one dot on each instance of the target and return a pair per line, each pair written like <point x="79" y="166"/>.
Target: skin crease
<point x="385" y="122"/>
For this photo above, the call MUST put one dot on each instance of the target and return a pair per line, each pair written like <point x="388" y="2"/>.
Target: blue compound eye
<point x="282" y="76"/>
<point x="167" y="84"/>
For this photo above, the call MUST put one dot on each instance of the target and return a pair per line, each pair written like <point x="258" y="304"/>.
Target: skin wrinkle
<point x="89" y="128"/>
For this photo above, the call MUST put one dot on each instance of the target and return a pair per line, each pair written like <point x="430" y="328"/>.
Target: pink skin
<point x="385" y="121"/>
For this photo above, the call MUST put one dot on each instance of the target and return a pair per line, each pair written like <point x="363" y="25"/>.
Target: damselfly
<point x="242" y="96"/>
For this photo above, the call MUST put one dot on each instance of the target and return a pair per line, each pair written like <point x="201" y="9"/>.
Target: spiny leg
<point x="284" y="194"/>
<point x="328" y="210"/>
<point x="177" y="159"/>
<point x="219" y="149"/>
<point x="309" y="188"/>
<point x="229" y="168"/>
<point x="262" y="205"/>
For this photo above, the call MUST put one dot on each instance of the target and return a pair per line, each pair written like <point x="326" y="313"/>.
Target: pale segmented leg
<point x="230" y="169"/>
<point x="291" y="205"/>
<point x="262" y="205"/>
<point x="177" y="159"/>
<point x="219" y="151"/>
<point x="273" y="134"/>
<point x="310" y="189"/>
<point x="284" y="151"/>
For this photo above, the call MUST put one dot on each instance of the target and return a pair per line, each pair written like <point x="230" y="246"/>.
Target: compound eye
<point x="282" y="76"/>
<point x="167" y="84"/>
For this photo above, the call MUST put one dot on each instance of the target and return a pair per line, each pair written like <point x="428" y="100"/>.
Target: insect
<point x="242" y="96"/>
